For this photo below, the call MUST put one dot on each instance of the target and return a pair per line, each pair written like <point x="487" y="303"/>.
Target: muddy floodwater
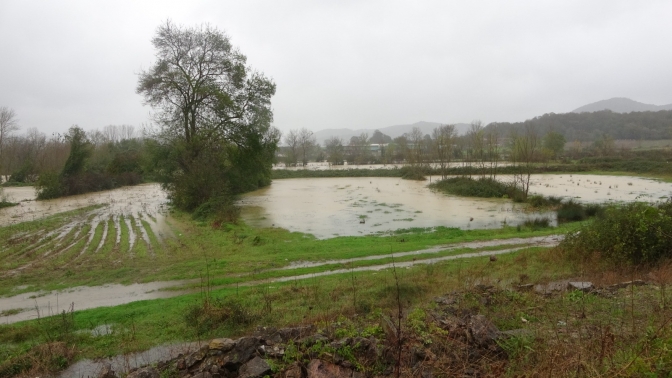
<point x="328" y="207"/>
<point x="40" y="304"/>
<point x="147" y="199"/>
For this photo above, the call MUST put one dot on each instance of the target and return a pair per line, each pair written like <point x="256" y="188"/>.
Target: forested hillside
<point x="592" y="126"/>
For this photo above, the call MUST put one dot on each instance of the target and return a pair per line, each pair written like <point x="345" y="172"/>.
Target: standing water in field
<point x="328" y="207"/>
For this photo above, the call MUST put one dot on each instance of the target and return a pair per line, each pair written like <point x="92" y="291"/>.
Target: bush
<point x="571" y="211"/>
<point x="483" y="187"/>
<point x="413" y="173"/>
<point x="537" y="223"/>
<point x="636" y="233"/>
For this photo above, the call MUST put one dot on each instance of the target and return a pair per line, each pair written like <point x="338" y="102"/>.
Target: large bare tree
<point x="8" y="124"/>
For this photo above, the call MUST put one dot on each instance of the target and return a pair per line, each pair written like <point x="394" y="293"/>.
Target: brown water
<point x="145" y="199"/>
<point x="328" y="207"/>
<point x="40" y="304"/>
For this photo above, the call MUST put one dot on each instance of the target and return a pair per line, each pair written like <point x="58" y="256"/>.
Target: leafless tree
<point x="443" y="138"/>
<point x="307" y="143"/>
<point x="8" y="124"/>
<point x="523" y="152"/>
<point x="292" y="142"/>
<point x="416" y="140"/>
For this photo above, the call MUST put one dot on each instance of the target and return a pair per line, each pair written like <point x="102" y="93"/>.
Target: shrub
<point x="636" y="233"/>
<point x="483" y="187"/>
<point x="537" y="223"/>
<point x="571" y="211"/>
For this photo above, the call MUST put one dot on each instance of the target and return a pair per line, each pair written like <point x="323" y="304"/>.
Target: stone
<point x="294" y="371"/>
<point x="323" y="369"/>
<point x="245" y="349"/>
<point x="481" y="331"/>
<point x="254" y="368"/>
<point x="203" y="374"/>
<point x="146" y="372"/>
<point x="196" y="357"/>
<point x="579" y="285"/>
<point x="107" y="372"/>
<point x="223" y="345"/>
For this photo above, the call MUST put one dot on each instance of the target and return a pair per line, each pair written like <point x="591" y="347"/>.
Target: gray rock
<point x="580" y="285"/>
<point x="255" y="368"/>
<point x="223" y="345"/>
<point x="203" y="374"/>
<point x="245" y="349"/>
<point x="146" y="372"/>
<point x="481" y="331"/>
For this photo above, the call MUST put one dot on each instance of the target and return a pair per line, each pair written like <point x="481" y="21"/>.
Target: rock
<point x="254" y="368"/>
<point x="274" y="351"/>
<point x="579" y="285"/>
<point x="203" y="374"/>
<point x="223" y="345"/>
<point x="493" y="258"/>
<point x="481" y="331"/>
<point x="196" y="357"/>
<point x="146" y="372"/>
<point x="245" y="349"/>
<point x="107" y="372"/>
<point x="322" y="369"/>
<point x="294" y="371"/>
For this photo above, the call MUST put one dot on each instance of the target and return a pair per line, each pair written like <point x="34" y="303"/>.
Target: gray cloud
<point x="355" y="64"/>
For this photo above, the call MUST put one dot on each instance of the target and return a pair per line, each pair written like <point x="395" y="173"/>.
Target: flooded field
<point x="328" y="207"/>
<point x="128" y="218"/>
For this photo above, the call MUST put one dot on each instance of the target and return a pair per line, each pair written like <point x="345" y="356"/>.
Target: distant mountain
<point x="621" y="105"/>
<point x="392" y="131"/>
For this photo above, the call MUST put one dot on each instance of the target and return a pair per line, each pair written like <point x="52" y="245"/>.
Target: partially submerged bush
<point x="483" y="187"/>
<point x="636" y="233"/>
<point x="571" y="211"/>
<point x="413" y="173"/>
<point x="537" y="223"/>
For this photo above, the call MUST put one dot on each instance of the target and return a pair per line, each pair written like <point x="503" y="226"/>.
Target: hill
<point x="621" y="105"/>
<point x="392" y="131"/>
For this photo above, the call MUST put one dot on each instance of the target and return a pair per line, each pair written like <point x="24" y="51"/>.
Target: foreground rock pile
<point x="468" y="340"/>
<point x="453" y="339"/>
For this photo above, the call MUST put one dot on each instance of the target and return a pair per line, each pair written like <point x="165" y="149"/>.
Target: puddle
<point x="41" y="304"/>
<point x="124" y="363"/>
<point x="529" y="242"/>
<point x="550" y="242"/>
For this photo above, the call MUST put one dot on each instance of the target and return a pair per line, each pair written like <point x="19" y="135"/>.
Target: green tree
<point x="214" y="114"/>
<point x="554" y="142"/>
<point x="80" y="150"/>
<point x="335" y="150"/>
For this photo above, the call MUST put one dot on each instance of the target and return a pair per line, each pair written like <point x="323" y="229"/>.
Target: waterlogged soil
<point x="34" y="305"/>
<point x="538" y="241"/>
<point x="328" y="207"/>
<point x="126" y="218"/>
<point x="146" y="199"/>
<point x="547" y="242"/>
<point x="599" y="188"/>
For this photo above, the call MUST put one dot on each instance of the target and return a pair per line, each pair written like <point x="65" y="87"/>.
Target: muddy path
<point x="38" y="304"/>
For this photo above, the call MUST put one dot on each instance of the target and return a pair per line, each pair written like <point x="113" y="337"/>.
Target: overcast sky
<point x="345" y="64"/>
